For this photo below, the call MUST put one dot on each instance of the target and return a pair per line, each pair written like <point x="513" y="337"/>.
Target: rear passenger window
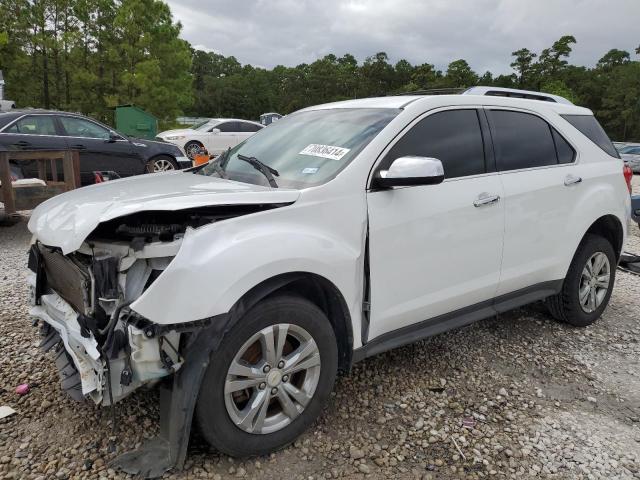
<point x="34" y="125"/>
<point x="521" y="140"/>
<point x="590" y="128"/>
<point x="566" y="153"/>
<point x="453" y="137"/>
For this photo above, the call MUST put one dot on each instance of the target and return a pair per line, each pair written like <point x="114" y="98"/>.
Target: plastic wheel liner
<point x="178" y="396"/>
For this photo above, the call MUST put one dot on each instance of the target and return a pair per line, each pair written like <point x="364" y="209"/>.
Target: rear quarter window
<point x="590" y="128"/>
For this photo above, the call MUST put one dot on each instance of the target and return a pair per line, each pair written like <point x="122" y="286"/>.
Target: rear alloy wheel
<point x="594" y="282"/>
<point x="587" y="288"/>
<point x="269" y="379"/>
<point x="161" y="164"/>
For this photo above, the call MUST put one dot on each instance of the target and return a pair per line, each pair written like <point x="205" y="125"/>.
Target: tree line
<point x="90" y="55"/>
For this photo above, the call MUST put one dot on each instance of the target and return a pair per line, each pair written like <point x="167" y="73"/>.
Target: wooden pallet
<point x="27" y="197"/>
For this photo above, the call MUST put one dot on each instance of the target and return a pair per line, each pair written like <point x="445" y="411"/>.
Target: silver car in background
<point x="630" y="154"/>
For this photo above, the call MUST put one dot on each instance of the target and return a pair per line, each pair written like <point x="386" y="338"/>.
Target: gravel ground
<point x="518" y="395"/>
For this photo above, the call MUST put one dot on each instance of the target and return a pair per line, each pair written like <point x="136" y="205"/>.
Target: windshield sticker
<point x="325" y="151"/>
<point x="309" y="170"/>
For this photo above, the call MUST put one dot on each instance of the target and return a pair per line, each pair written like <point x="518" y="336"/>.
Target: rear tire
<point x="587" y="288"/>
<point x="246" y="408"/>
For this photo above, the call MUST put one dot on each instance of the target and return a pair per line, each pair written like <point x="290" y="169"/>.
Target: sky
<point x="484" y="32"/>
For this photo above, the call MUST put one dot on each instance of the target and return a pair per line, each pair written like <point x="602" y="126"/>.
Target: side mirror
<point x="410" y="171"/>
<point x="215" y="131"/>
<point x="113" y="137"/>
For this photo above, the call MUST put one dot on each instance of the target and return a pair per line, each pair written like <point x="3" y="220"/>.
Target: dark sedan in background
<point x="101" y="148"/>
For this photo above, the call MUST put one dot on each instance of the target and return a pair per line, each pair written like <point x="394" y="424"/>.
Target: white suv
<point x="339" y="232"/>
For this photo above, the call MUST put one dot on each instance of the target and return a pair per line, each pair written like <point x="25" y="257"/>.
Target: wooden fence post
<point x="7" y="187"/>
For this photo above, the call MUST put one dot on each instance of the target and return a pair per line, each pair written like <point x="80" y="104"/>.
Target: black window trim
<point x="576" y="153"/>
<point x="488" y="155"/>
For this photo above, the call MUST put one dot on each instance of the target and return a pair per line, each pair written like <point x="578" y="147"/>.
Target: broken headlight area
<point x="103" y="349"/>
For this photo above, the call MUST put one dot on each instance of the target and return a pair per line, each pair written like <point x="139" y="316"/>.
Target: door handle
<point x="22" y="144"/>
<point x="486" y="199"/>
<point x="79" y="146"/>
<point x="571" y="180"/>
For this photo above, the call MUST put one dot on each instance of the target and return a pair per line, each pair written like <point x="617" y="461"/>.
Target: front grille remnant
<point x="68" y="278"/>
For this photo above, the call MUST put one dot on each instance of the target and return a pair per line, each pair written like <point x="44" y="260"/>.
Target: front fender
<point x="219" y="263"/>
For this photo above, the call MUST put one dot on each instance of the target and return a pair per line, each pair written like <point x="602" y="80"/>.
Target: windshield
<point x="202" y="125"/>
<point x="304" y="149"/>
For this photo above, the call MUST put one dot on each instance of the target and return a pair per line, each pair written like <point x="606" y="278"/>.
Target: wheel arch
<point x="318" y="290"/>
<point x="610" y="228"/>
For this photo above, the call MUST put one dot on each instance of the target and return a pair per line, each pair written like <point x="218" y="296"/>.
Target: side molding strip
<point x="457" y="318"/>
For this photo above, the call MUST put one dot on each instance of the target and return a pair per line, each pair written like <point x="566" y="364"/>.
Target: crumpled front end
<point x="84" y="300"/>
<point x="103" y="350"/>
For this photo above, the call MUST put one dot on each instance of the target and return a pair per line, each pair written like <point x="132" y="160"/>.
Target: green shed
<point x="134" y="121"/>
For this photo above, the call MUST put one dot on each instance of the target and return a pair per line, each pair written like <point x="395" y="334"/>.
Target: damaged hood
<point x="66" y="220"/>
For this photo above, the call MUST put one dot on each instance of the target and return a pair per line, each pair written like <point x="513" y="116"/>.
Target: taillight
<point x="628" y="175"/>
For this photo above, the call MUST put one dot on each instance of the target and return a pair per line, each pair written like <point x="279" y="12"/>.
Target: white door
<point x="226" y="137"/>
<point x="541" y="182"/>
<point x="435" y="249"/>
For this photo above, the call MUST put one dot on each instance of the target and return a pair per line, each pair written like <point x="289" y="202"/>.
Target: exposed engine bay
<point x="104" y="350"/>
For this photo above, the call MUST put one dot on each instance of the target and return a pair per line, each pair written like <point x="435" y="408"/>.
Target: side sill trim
<point x="457" y="318"/>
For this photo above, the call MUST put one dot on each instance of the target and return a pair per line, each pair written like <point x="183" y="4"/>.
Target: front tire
<point x="270" y="378"/>
<point x="588" y="285"/>
<point x="192" y="148"/>
<point x="161" y="163"/>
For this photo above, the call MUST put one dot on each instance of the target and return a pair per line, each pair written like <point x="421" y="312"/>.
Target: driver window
<point x="227" y="127"/>
<point x="79" y="127"/>
<point x="453" y="136"/>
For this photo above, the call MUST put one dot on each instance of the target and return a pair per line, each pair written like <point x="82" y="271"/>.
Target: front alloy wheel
<point x="162" y="165"/>
<point x="272" y="378"/>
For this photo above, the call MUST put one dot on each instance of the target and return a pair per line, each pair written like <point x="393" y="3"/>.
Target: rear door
<point x="435" y="249"/>
<point x="98" y="152"/>
<point x="33" y="132"/>
<point x="541" y="181"/>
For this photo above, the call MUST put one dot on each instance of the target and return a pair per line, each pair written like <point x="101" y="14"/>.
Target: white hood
<point x="66" y="220"/>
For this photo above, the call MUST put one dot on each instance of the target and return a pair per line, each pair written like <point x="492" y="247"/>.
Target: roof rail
<point x="432" y="91"/>
<point x="515" y="93"/>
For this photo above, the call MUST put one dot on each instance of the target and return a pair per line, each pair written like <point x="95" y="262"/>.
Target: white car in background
<point x="215" y="135"/>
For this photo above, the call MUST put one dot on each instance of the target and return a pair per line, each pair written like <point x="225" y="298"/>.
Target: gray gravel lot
<point x="519" y="395"/>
